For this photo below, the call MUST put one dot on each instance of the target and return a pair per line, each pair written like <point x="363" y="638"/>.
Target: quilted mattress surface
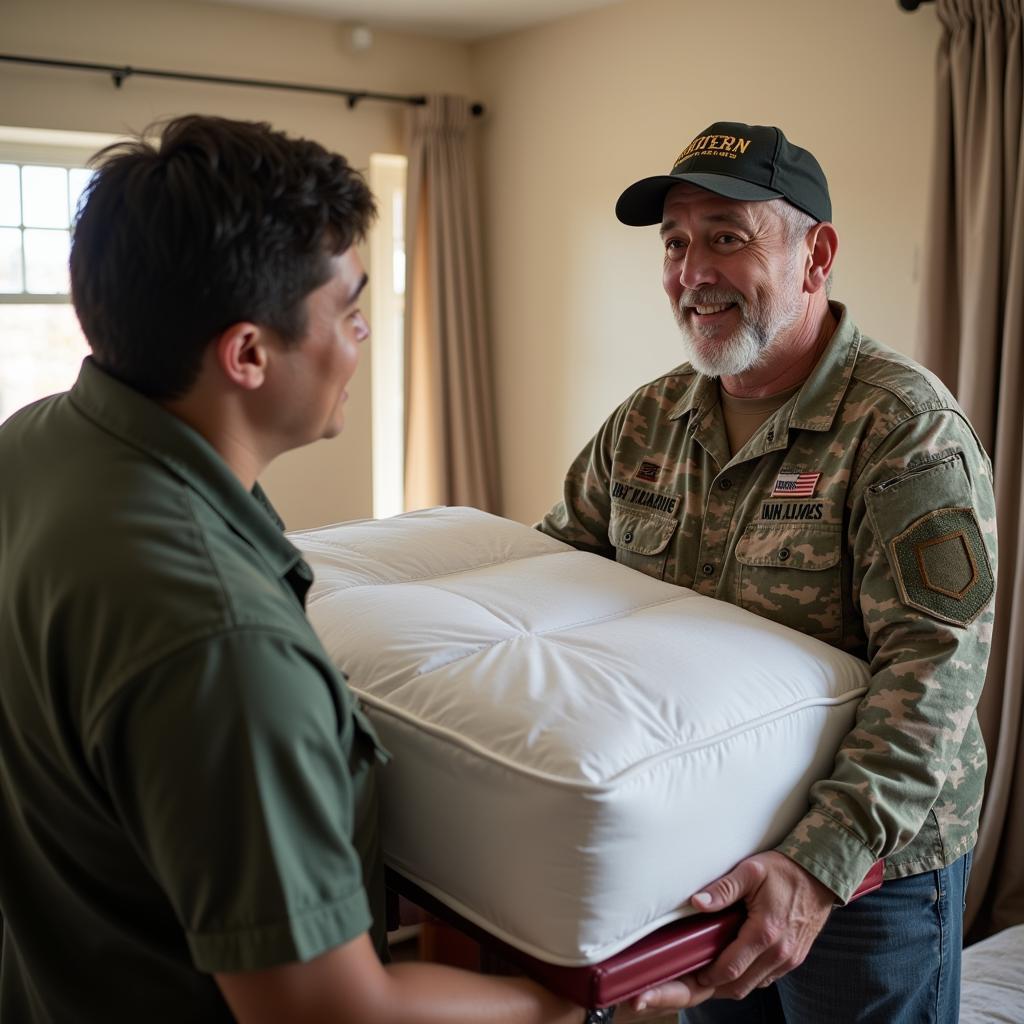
<point x="577" y="747"/>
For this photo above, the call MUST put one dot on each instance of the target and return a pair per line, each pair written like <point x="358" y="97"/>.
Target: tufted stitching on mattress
<point x="543" y="634"/>
<point x="378" y="582"/>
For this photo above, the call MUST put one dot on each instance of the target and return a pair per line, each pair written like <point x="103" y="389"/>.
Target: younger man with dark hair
<point x="187" y="795"/>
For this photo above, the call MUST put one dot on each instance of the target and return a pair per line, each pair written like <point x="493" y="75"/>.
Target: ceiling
<point x="454" y="19"/>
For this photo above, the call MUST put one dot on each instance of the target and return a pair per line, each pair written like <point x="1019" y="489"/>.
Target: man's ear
<point x="241" y="355"/>
<point x="822" y="244"/>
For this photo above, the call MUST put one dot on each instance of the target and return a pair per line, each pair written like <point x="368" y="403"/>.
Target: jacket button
<point x="708" y="569"/>
<point x="725" y="484"/>
<point x="771" y="435"/>
<point x="783" y="554"/>
<point x="627" y="537"/>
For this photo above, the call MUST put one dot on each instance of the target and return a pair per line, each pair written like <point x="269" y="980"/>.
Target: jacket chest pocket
<point x="641" y="538"/>
<point x="792" y="573"/>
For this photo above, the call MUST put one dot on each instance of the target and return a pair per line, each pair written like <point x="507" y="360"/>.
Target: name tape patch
<point x="667" y="503"/>
<point x="800" y="510"/>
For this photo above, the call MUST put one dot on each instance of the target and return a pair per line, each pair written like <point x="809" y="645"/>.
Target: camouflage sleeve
<point x="923" y="544"/>
<point x="581" y="517"/>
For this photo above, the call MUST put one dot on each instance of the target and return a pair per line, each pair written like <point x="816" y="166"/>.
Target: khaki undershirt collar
<point x="817" y="400"/>
<point x="743" y="417"/>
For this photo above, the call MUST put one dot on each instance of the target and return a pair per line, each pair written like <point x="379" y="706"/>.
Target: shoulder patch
<point x="942" y="566"/>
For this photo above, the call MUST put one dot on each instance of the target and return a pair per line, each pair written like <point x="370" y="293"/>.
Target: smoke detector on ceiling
<point x="362" y="38"/>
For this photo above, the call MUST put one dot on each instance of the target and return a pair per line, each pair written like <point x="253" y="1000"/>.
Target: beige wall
<point x="329" y="481"/>
<point x="577" y="110"/>
<point x="582" y="108"/>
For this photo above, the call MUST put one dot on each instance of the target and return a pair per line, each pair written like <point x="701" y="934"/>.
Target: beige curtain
<point x="972" y="335"/>
<point x="451" y="444"/>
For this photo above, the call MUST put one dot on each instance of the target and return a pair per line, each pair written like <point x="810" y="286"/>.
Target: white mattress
<point x="577" y="747"/>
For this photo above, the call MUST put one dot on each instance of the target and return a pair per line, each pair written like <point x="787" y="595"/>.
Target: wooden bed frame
<point x="672" y="950"/>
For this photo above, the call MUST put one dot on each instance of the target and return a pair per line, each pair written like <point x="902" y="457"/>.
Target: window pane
<point x="41" y="350"/>
<point x="78" y="178"/>
<point x="10" y="195"/>
<point x="46" y="262"/>
<point x="398" y="240"/>
<point x="45" y="196"/>
<point x="10" y="260"/>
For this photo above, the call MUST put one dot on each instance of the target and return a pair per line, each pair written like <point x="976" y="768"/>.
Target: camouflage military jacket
<point x="861" y="512"/>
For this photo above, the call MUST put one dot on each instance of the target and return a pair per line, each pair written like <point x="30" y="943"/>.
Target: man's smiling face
<point x="733" y="275"/>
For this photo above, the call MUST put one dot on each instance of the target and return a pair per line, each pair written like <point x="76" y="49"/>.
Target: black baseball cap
<point x="739" y="161"/>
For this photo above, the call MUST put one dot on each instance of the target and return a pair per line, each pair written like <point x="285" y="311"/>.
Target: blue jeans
<point x="891" y="957"/>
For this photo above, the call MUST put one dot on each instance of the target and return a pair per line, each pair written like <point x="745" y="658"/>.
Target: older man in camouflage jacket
<point x="801" y="470"/>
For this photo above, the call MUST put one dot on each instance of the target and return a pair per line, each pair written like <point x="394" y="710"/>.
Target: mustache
<point x="710" y="297"/>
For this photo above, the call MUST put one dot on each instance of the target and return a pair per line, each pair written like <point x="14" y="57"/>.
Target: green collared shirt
<point x="186" y="784"/>
<point x="861" y="512"/>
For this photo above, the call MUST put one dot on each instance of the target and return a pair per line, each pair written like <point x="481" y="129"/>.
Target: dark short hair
<point x="220" y="222"/>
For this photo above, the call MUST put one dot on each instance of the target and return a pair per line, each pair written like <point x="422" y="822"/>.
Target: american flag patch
<point x="795" y="485"/>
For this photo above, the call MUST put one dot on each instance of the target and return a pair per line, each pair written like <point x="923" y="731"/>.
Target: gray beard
<point x="743" y="350"/>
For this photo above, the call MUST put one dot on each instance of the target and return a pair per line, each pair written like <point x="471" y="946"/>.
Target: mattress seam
<point x="481" y="920"/>
<point x="648" y="763"/>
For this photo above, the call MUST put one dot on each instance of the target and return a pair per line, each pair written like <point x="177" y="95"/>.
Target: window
<point x="37" y="205"/>
<point x="42" y="176"/>
<point x="387" y="348"/>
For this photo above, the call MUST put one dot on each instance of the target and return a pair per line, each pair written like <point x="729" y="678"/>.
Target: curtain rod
<point x="119" y="73"/>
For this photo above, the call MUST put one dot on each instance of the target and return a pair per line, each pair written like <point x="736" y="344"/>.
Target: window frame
<point x="43" y="147"/>
<point x="388" y="180"/>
